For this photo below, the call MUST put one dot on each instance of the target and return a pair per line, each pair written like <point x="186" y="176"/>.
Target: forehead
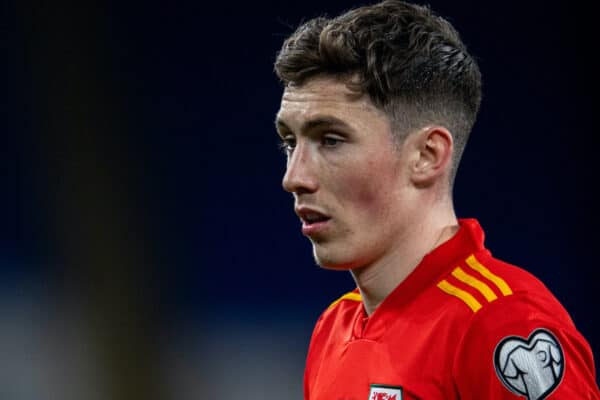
<point x="323" y="97"/>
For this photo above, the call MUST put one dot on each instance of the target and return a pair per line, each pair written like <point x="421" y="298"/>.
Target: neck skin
<point x="377" y="280"/>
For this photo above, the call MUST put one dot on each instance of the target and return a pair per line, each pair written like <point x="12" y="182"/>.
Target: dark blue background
<point x="174" y="106"/>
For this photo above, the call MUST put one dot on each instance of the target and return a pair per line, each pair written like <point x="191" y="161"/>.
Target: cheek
<point x="368" y="187"/>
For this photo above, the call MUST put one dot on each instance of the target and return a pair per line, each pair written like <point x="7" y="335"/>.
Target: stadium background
<point x="148" y="250"/>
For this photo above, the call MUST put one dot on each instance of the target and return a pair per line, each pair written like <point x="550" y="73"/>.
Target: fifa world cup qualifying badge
<point x="531" y="367"/>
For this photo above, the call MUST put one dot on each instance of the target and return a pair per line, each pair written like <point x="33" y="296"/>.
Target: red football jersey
<point x="462" y="325"/>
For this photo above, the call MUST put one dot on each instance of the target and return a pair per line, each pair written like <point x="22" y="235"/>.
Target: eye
<point x="288" y="144"/>
<point x="331" y="140"/>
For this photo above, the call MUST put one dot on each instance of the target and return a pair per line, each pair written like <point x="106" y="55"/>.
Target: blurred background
<point x="147" y="249"/>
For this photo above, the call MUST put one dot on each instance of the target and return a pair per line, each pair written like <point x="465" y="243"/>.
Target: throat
<point x="372" y="289"/>
<point x="376" y="281"/>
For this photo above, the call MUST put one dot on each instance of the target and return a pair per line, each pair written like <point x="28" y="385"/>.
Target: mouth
<point x="313" y="221"/>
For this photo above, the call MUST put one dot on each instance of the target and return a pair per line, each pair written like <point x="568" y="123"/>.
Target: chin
<point x="329" y="259"/>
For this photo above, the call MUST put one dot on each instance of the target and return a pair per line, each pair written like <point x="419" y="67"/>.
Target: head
<point x="410" y="62"/>
<point x="377" y="107"/>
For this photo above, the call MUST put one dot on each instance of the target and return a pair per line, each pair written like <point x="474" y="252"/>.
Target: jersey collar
<point x="468" y="239"/>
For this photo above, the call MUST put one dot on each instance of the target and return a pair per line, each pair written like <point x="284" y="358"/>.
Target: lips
<point x="313" y="220"/>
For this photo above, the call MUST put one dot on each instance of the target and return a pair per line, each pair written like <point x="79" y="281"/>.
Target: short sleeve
<point x="521" y="347"/>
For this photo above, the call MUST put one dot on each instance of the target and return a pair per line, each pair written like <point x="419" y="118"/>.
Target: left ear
<point x="434" y="146"/>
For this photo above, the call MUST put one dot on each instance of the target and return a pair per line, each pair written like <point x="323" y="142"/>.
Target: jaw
<point x="327" y="256"/>
<point x="339" y="254"/>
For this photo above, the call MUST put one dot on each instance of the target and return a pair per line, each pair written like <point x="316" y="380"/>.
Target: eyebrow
<point x="314" y="123"/>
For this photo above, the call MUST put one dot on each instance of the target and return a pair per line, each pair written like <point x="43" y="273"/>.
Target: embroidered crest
<point x="531" y="367"/>
<point x="383" y="392"/>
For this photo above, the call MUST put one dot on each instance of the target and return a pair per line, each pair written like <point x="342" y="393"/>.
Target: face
<point x="345" y="171"/>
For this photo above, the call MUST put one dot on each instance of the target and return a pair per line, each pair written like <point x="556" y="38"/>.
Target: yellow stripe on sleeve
<point x="485" y="290"/>
<point x="348" y="296"/>
<point x="461" y="294"/>
<point x="499" y="282"/>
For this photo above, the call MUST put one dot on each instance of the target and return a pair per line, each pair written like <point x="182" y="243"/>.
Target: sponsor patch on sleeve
<point x="531" y="367"/>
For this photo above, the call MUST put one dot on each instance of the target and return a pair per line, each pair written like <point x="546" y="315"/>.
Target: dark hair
<point x="411" y="63"/>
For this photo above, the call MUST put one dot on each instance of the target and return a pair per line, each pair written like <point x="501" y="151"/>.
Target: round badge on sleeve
<point x="531" y="367"/>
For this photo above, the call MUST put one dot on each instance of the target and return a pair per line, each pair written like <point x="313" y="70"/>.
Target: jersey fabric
<point x="462" y="325"/>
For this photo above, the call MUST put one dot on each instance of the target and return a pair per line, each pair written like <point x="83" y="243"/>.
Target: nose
<point x="300" y="175"/>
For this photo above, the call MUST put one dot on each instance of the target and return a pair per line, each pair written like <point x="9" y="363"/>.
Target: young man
<point x="377" y="108"/>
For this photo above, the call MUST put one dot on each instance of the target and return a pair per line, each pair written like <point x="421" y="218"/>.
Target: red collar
<point x="468" y="240"/>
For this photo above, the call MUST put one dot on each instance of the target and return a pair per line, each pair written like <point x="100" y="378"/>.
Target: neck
<point x="377" y="280"/>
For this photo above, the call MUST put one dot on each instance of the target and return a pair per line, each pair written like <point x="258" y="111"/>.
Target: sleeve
<point x="519" y="347"/>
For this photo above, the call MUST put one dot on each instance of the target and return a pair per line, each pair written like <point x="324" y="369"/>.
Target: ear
<point x="433" y="149"/>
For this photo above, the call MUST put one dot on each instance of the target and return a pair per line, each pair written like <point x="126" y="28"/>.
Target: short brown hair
<point x="409" y="61"/>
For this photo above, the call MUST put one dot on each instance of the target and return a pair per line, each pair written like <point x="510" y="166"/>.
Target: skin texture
<point x="387" y="203"/>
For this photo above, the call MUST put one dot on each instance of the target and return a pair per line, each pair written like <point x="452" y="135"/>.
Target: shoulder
<point x="489" y="298"/>
<point x="480" y="280"/>
<point x="337" y="318"/>
<point x="514" y="328"/>
<point x="334" y="321"/>
<point x="341" y="309"/>
<point x="353" y="299"/>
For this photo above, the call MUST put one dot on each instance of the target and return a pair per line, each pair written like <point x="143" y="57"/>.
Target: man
<point x="377" y="107"/>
